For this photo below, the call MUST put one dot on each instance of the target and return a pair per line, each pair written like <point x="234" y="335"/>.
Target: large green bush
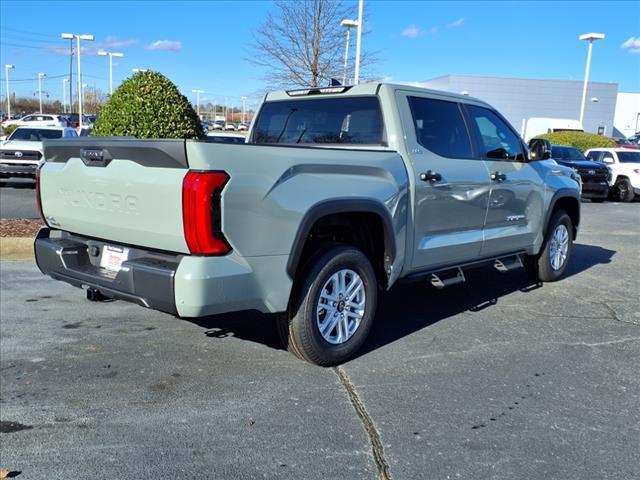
<point x="581" y="140"/>
<point x="148" y="105"/>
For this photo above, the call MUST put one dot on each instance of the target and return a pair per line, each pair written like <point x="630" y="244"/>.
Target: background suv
<point x="595" y="176"/>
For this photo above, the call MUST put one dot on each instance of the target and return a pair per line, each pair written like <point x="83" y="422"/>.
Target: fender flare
<point x="346" y="205"/>
<point x="559" y="194"/>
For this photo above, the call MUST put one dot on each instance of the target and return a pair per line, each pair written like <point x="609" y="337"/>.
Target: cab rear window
<point x="351" y="120"/>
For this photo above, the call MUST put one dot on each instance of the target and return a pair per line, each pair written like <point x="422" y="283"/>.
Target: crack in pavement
<point x="377" y="450"/>
<point x="614" y="314"/>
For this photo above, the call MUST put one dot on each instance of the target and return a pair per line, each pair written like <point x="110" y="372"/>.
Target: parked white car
<point x="229" y="126"/>
<point x="243" y="127"/>
<point x="38" y="120"/>
<point x="625" y="170"/>
<point x="21" y="152"/>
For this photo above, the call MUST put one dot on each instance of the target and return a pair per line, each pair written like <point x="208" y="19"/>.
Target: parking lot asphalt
<point x="18" y="199"/>
<point x="496" y="378"/>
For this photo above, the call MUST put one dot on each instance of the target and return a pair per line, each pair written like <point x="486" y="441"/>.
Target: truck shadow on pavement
<point x="410" y="307"/>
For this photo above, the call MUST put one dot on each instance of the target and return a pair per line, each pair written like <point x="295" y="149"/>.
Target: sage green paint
<point x="272" y="188"/>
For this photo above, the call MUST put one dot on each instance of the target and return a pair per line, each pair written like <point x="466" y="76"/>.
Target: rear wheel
<point x="550" y="264"/>
<point x="624" y="190"/>
<point x="332" y="313"/>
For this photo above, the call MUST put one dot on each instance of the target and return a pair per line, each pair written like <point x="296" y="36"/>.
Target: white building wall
<point x="520" y="98"/>
<point x="627" y="117"/>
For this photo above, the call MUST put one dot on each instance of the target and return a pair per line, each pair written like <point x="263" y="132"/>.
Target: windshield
<point x="568" y="154"/>
<point x="35" y="134"/>
<point x="629" y="157"/>
<point x="351" y="120"/>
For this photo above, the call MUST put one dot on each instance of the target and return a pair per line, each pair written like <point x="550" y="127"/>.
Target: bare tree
<point x="302" y="42"/>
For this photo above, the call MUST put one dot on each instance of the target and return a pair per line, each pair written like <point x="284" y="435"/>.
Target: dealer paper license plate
<point x="112" y="257"/>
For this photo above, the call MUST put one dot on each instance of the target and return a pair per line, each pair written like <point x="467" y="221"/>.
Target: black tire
<point x="539" y="266"/>
<point x="624" y="190"/>
<point x="299" y="329"/>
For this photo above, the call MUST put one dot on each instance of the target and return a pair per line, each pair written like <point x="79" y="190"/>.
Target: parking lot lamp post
<point x="348" y="24"/>
<point x="80" y="99"/>
<point x="64" y="95"/>
<point x="591" y="37"/>
<point x="198" y="92"/>
<point x="40" y="77"/>
<point x="356" y="76"/>
<point x="244" y="108"/>
<point x="104" y="53"/>
<point x="8" y="67"/>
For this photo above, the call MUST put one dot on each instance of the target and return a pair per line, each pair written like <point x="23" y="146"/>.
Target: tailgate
<point x="119" y="189"/>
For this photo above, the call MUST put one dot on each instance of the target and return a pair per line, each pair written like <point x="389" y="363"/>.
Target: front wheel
<point x="550" y="264"/>
<point x="625" y="190"/>
<point x="332" y="313"/>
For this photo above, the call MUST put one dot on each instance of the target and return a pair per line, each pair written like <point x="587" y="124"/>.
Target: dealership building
<point x="519" y="99"/>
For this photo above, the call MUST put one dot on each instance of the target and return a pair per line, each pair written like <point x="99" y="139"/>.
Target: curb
<point x="16" y="248"/>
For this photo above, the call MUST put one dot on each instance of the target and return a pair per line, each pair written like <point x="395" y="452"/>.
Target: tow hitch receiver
<point x="94" y="295"/>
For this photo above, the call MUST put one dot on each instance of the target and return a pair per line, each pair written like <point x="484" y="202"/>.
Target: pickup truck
<point x="625" y="170"/>
<point x="20" y="154"/>
<point x="338" y="194"/>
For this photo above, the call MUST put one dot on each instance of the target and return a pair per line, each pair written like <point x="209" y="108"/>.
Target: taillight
<point x="201" y="212"/>
<point x="38" y="198"/>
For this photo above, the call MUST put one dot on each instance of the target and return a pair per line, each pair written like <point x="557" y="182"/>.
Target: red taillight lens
<point x="38" y="199"/>
<point x="201" y="213"/>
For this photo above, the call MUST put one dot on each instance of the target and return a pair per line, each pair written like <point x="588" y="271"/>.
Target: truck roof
<point x="361" y="89"/>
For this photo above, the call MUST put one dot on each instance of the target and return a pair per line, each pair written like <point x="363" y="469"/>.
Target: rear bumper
<point x="12" y="169"/>
<point x="183" y="285"/>
<point x="145" y="280"/>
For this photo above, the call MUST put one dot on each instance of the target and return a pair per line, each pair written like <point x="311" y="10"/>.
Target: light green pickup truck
<point x="338" y="193"/>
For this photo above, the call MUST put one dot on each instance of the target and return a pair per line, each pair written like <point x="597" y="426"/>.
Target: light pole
<point x="90" y="38"/>
<point x="591" y="37"/>
<point x="244" y="108"/>
<point x="104" y="53"/>
<point x="64" y="94"/>
<point x="356" y="76"/>
<point x="40" y="77"/>
<point x="198" y="92"/>
<point x="8" y="67"/>
<point x="348" y="24"/>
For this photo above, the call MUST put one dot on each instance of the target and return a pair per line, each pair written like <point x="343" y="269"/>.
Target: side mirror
<point x="539" y="149"/>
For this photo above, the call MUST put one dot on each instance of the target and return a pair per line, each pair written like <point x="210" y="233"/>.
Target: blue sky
<point x="204" y="44"/>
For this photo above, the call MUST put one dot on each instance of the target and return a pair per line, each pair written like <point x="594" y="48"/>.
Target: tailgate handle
<point x="95" y="157"/>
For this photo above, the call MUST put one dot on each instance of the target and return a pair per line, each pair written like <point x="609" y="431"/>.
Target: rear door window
<point x="347" y="120"/>
<point x="440" y="127"/>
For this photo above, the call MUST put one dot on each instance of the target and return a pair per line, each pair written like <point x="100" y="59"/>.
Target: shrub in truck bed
<point x="148" y="105"/>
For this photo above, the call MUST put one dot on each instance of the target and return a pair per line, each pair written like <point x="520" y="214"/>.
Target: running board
<point x="507" y="264"/>
<point x="446" y="278"/>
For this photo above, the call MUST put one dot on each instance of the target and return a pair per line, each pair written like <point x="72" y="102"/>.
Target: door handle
<point x="430" y="176"/>
<point x="498" y="177"/>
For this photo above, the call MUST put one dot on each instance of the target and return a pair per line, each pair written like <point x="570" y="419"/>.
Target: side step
<point x="507" y="264"/>
<point x="446" y="278"/>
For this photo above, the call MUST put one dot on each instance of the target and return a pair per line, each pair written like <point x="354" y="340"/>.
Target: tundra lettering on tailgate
<point x="110" y="202"/>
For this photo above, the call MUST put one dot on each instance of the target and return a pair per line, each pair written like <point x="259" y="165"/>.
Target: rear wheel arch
<point x="363" y="223"/>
